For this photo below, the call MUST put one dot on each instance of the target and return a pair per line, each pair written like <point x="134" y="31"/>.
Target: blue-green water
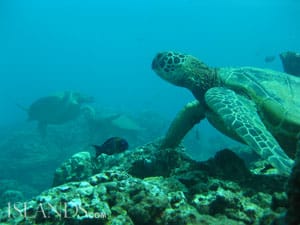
<point x="105" y="49"/>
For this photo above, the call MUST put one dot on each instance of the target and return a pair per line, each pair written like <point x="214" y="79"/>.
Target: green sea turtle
<point x="258" y="107"/>
<point x="57" y="109"/>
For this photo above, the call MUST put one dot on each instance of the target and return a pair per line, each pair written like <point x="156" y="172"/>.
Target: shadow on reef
<point x="146" y="186"/>
<point x="293" y="193"/>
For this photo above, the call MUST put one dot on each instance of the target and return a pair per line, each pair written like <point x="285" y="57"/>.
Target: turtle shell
<point x="53" y="110"/>
<point x="276" y="96"/>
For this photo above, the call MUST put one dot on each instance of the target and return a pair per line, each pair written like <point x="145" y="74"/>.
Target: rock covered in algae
<point x="292" y="216"/>
<point x="174" y="190"/>
<point x="78" y="167"/>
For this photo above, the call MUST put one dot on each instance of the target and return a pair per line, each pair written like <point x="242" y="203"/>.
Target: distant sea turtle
<point x="56" y="109"/>
<point x="291" y="62"/>
<point x="258" y="107"/>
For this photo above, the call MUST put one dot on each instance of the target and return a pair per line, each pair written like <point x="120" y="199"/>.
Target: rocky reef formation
<point x="27" y="161"/>
<point x="147" y="185"/>
<point x="292" y="216"/>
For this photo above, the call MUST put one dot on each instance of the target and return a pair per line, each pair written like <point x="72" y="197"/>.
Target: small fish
<point x="111" y="146"/>
<point x="269" y="58"/>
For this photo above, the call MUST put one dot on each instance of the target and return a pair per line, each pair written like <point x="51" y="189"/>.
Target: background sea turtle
<point x="57" y="109"/>
<point x="291" y="62"/>
<point x="258" y="107"/>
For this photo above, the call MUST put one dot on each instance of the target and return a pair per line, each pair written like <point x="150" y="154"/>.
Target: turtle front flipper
<point x="190" y="115"/>
<point x="237" y="116"/>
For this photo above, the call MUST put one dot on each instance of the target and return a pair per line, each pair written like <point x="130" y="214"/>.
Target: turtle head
<point x="80" y="98"/>
<point x="184" y="71"/>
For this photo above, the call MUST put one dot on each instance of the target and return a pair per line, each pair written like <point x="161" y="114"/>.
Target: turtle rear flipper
<point x="42" y="128"/>
<point x="239" y="116"/>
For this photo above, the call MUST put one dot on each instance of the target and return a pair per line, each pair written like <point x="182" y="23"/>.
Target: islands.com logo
<point x="44" y="211"/>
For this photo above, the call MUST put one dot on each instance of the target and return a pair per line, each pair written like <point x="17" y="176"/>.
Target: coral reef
<point x="147" y="185"/>
<point x="30" y="160"/>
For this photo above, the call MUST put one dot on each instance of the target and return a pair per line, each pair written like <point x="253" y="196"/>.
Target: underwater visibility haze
<point x="105" y="48"/>
<point x="50" y="50"/>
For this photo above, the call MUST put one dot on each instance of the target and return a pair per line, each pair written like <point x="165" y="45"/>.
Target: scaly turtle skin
<point x="56" y="109"/>
<point x="258" y="107"/>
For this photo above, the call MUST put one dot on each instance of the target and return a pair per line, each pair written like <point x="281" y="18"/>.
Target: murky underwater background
<point x="104" y="49"/>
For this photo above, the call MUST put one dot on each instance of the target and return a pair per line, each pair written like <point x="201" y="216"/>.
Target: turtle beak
<point x="156" y="60"/>
<point x="154" y="64"/>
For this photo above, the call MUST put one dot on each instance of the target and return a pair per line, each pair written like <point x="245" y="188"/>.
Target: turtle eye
<point x="172" y="61"/>
<point x="167" y="61"/>
<point x="162" y="63"/>
<point x="159" y="55"/>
